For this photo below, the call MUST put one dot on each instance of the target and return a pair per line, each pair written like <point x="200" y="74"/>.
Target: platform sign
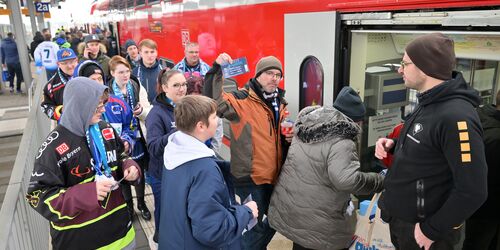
<point x="42" y="7"/>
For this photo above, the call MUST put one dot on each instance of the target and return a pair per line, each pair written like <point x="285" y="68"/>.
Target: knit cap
<point x="349" y="103"/>
<point x="88" y="68"/>
<point x="268" y="62"/>
<point x="434" y="54"/>
<point x="129" y="43"/>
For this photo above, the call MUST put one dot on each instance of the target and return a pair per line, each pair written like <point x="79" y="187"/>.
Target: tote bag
<point x="372" y="234"/>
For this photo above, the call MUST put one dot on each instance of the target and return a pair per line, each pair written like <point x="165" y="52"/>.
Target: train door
<point x="310" y="52"/>
<point x="376" y="49"/>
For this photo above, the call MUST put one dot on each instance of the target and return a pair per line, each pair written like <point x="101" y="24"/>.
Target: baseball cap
<point x="91" y="38"/>
<point x="65" y="54"/>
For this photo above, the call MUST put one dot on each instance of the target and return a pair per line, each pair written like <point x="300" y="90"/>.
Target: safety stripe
<point x="90" y="221"/>
<point x="47" y="201"/>
<point x="123" y="242"/>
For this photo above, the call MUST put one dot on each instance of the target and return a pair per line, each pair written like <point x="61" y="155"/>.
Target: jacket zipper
<point x="420" y="199"/>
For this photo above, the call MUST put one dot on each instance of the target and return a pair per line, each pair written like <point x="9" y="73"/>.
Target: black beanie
<point x="89" y="69"/>
<point x="434" y="54"/>
<point x="349" y="103"/>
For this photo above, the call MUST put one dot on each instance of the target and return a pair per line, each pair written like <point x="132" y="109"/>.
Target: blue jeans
<point x="260" y="235"/>
<point x="156" y="187"/>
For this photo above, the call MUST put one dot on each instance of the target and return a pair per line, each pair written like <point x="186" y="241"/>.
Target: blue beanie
<point x="349" y="103"/>
<point x="129" y="43"/>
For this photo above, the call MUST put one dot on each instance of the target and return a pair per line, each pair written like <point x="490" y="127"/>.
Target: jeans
<point x="156" y="187"/>
<point x="261" y="234"/>
<point x="15" y="71"/>
<point x="403" y="237"/>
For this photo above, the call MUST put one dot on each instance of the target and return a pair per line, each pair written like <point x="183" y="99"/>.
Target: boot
<point x="141" y="205"/>
<point x="130" y="209"/>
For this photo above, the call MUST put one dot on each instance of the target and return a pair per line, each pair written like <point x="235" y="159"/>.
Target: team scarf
<point x="96" y="146"/>
<point x="130" y="99"/>
<point x="273" y="98"/>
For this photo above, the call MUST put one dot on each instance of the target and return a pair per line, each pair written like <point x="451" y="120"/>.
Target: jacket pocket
<point x="420" y="199"/>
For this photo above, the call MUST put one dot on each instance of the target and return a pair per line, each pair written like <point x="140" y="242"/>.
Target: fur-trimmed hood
<point x="318" y="124"/>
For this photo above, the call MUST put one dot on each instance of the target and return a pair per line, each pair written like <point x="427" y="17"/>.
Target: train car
<point x="324" y="44"/>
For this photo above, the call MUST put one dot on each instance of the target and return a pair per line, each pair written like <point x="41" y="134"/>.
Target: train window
<point x="140" y="3"/>
<point x="311" y="82"/>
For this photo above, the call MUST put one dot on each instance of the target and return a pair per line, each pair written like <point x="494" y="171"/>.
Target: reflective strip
<point x="47" y="201"/>
<point x="123" y="242"/>
<point x="90" y="221"/>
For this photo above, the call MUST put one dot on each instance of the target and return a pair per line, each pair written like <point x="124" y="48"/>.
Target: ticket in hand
<point x="238" y="67"/>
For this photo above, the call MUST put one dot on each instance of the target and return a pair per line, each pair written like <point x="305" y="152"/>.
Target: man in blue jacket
<point x="10" y="60"/>
<point x="149" y="67"/>
<point x="199" y="210"/>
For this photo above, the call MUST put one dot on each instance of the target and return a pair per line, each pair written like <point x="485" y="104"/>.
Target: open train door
<point x="310" y="53"/>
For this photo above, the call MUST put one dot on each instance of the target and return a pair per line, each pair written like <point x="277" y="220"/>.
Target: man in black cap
<point x="438" y="176"/>
<point x="258" y="148"/>
<point x="93" y="52"/>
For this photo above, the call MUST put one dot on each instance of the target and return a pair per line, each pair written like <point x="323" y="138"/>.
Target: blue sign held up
<point x="42" y="7"/>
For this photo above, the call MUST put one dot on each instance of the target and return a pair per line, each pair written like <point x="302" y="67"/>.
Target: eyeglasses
<point x="271" y="74"/>
<point x="179" y="85"/>
<point x="404" y="64"/>
<point x="100" y="107"/>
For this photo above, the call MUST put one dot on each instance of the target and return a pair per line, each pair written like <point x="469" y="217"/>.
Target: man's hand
<point x="87" y="53"/>
<point x="103" y="188"/>
<point x="383" y="146"/>
<point x="223" y="58"/>
<point x="421" y="239"/>
<point x="131" y="173"/>
<point x="253" y="206"/>
<point x="289" y="136"/>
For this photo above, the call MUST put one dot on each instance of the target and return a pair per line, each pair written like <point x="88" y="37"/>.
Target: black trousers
<point x="403" y="237"/>
<point x="482" y="234"/>
<point x="15" y="70"/>
<point x="139" y="189"/>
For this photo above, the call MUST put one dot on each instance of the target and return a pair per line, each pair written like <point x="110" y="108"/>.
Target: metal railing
<point x="21" y="226"/>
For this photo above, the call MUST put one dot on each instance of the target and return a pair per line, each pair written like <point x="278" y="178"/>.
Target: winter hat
<point x="129" y="43"/>
<point x="60" y="41"/>
<point x="91" y="38"/>
<point x="88" y="68"/>
<point x="349" y="103"/>
<point x="268" y="62"/>
<point x="434" y="54"/>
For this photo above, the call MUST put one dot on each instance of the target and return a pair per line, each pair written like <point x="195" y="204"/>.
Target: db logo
<point x="108" y="134"/>
<point x="63" y="148"/>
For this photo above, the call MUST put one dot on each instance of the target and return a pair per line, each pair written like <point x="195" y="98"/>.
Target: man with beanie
<point x="322" y="164"/>
<point x="438" y="176"/>
<point x="258" y="148"/>
<point x="133" y="56"/>
<point x="92" y="70"/>
<point x="93" y="52"/>
<point x="53" y="92"/>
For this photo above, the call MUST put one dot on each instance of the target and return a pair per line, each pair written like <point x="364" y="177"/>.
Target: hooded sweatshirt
<point x="438" y="176"/>
<point x="8" y="48"/>
<point x="205" y="214"/>
<point x="62" y="187"/>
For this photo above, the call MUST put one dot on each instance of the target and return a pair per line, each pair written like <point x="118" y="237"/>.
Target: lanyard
<point x="130" y="98"/>
<point x="96" y="145"/>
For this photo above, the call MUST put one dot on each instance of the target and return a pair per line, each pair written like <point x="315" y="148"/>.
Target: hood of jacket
<point x="8" y="40"/>
<point x="318" y="124"/>
<point x="182" y="148"/>
<point x="490" y="116"/>
<point x="451" y="89"/>
<point x="81" y="97"/>
<point x="153" y="67"/>
<point x="161" y="99"/>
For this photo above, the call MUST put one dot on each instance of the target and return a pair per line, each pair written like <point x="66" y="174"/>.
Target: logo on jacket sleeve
<point x="108" y="134"/>
<point x="63" y="148"/>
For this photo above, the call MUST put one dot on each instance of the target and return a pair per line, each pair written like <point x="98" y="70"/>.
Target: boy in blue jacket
<point x="199" y="210"/>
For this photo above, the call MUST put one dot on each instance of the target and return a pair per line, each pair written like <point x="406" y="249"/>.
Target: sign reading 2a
<point x="42" y="7"/>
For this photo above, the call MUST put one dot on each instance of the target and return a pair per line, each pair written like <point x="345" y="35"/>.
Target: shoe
<point x="155" y="237"/>
<point x="20" y="92"/>
<point x="11" y="90"/>
<point x="145" y="214"/>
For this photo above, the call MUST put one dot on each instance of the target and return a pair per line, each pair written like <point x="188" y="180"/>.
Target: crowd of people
<point x="121" y="119"/>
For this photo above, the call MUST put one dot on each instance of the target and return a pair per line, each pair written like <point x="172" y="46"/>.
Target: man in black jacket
<point x="484" y="225"/>
<point x="438" y="177"/>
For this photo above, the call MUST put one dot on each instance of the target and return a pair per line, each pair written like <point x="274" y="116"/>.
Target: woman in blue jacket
<point x="160" y="123"/>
